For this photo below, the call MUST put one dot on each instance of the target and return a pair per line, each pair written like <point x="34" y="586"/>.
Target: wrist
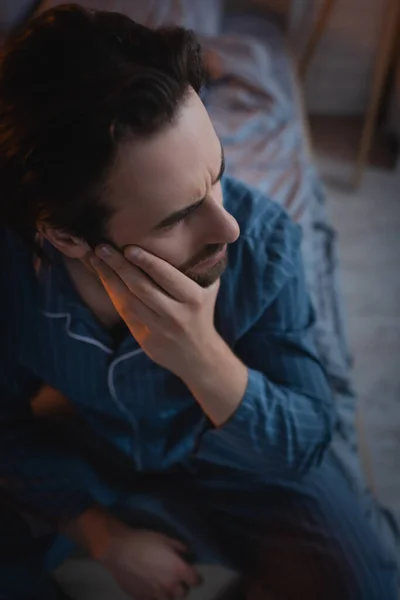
<point x="203" y="360"/>
<point x="213" y="357"/>
<point x="92" y="531"/>
<point x="217" y="380"/>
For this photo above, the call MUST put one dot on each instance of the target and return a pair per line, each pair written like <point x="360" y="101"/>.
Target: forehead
<point x="154" y="177"/>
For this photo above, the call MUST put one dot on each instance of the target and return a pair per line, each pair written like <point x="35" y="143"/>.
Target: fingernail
<point x="94" y="261"/>
<point x="132" y="252"/>
<point x="103" y="251"/>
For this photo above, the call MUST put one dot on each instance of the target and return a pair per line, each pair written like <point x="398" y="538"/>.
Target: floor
<point x="368" y="225"/>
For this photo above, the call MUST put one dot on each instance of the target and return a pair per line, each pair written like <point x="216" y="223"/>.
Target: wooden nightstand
<point x="388" y="43"/>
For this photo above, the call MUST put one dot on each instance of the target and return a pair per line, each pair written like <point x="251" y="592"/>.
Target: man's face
<point x="168" y="198"/>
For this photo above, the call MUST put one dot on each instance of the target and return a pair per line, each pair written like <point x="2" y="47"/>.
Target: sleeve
<point x="41" y="470"/>
<point x="285" y="421"/>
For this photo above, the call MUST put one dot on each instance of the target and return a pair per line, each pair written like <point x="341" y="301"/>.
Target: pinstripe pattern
<point x="285" y="420"/>
<point x="279" y="433"/>
<point x="300" y="538"/>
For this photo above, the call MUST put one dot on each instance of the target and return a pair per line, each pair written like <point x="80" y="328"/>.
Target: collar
<point x="57" y="292"/>
<point x="58" y="299"/>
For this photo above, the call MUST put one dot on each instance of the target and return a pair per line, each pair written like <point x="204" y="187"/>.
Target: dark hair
<point x="73" y="84"/>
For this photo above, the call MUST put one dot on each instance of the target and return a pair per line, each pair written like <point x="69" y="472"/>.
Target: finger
<point x="135" y="279"/>
<point x="179" y="590"/>
<point x="177" y="545"/>
<point x="190" y="576"/>
<point x="182" y="549"/>
<point x="134" y="312"/>
<point x="137" y="313"/>
<point x="114" y="285"/>
<point x="214" y="288"/>
<point x="170" y="279"/>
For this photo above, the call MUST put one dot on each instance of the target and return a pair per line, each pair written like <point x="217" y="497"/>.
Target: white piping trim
<point x="110" y="378"/>
<point x="73" y="335"/>
<point x="121" y="406"/>
<point x="113" y="364"/>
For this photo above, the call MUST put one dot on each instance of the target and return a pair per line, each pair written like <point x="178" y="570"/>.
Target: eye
<point x="172" y="226"/>
<point x="179" y="217"/>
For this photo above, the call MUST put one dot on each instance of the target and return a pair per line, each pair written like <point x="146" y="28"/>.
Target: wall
<point x="338" y="81"/>
<point x="393" y="119"/>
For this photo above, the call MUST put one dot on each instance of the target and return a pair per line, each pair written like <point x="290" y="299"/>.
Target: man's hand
<point x="145" y="564"/>
<point x="170" y="316"/>
<point x="149" y="566"/>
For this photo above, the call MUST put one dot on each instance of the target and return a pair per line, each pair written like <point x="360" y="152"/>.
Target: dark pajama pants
<point x="296" y="540"/>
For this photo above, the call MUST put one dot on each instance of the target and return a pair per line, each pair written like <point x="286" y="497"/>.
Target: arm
<point x="48" y="477"/>
<point x="268" y="400"/>
<point x="41" y="470"/>
<point x="284" y="418"/>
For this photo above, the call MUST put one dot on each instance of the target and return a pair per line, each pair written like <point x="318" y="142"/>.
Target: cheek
<point x="172" y="246"/>
<point x="175" y="247"/>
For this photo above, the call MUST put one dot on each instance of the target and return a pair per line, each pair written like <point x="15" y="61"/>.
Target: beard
<point x="212" y="274"/>
<point x="204" y="279"/>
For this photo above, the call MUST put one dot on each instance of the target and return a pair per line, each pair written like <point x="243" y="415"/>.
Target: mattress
<point x="253" y="101"/>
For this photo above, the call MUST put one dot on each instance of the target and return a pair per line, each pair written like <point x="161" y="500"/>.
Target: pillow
<point x="203" y="16"/>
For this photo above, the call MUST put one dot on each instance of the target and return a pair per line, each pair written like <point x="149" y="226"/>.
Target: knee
<point x="349" y="573"/>
<point x="373" y="578"/>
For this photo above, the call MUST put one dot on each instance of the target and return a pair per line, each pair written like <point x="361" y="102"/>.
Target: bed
<point x="255" y="103"/>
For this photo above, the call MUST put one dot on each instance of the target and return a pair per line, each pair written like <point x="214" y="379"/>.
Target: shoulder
<point x="14" y="246"/>
<point x="261" y="220"/>
<point x="17" y="273"/>
<point x="265" y="257"/>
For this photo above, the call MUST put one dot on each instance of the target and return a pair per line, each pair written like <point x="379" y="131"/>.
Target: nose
<point x="222" y="226"/>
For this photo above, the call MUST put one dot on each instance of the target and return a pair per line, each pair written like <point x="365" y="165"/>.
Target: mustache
<point x="207" y="252"/>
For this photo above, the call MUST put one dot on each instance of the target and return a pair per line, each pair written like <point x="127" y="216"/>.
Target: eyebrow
<point x="184" y="212"/>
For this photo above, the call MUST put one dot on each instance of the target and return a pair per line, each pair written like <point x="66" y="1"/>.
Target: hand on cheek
<point x="171" y="316"/>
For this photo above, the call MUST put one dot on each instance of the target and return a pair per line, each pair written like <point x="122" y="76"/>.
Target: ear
<point x="67" y="244"/>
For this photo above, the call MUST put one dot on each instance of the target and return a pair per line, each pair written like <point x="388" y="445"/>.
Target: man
<point x="184" y="349"/>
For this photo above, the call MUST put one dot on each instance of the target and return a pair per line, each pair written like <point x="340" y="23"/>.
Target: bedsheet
<point x="253" y="102"/>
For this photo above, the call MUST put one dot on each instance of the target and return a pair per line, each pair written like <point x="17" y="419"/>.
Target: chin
<point x="207" y="278"/>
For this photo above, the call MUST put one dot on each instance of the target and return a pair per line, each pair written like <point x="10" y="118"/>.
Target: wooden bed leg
<point x="387" y="44"/>
<point x="316" y="34"/>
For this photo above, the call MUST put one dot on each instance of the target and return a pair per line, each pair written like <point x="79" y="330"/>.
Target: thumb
<point x="176" y="545"/>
